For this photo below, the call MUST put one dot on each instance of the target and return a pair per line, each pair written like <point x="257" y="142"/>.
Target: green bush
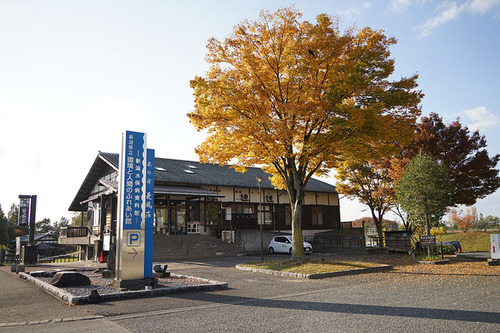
<point x="436" y="249"/>
<point x="447" y="249"/>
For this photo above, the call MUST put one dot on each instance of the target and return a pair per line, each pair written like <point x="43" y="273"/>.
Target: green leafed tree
<point x="298" y="98"/>
<point x="14" y="229"/>
<point x="44" y="226"/>
<point x="424" y="191"/>
<point x="63" y="222"/>
<point x="4" y="228"/>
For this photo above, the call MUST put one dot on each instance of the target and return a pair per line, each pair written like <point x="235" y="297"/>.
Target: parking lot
<point x="459" y="297"/>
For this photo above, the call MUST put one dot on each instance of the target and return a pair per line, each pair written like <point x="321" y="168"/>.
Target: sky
<point x="75" y="75"/>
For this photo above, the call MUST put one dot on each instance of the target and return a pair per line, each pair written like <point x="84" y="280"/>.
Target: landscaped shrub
<point x="447" y="249"/>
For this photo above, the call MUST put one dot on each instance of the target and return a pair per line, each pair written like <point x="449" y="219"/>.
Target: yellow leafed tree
<point x="298" y="98"/>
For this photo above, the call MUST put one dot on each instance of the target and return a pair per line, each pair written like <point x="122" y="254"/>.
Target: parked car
<point x="283" y="244"/>
<point x="455" y="244"/>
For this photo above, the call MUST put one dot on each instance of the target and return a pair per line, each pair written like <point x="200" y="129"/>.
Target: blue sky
<point x="74" y="75"/>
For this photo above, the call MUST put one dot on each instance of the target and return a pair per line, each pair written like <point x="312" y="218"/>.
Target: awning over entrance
<point x="193" y="192"/>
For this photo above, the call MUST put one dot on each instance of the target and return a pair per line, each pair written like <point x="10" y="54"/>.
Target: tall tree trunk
<point x="378" y="224"/>
<point x="297" y="240"/>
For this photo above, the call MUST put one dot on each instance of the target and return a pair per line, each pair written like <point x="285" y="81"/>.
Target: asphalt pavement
<point x="376" y="302"/>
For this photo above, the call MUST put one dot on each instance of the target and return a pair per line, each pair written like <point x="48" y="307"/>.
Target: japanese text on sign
<point x="134" y="178"/>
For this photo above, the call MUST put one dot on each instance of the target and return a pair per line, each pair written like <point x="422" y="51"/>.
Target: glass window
<point x="210" y="213"/>
<point x="268" y="215"/>
<point x="160" y="221"/>
<point x="96" y="215"/>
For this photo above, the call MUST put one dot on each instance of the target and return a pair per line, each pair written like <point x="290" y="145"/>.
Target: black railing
<point x="8" y="257"/>
<point x="69" y="232"/>
<point x="329" y="242"/>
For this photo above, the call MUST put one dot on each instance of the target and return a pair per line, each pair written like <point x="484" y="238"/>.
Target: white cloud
<point x="402" y="6"/>
<point x="399" y="6"/>
<point x="480" y="118"/>
<point x="353" y="12"/>
<point x="482" y="6"/>
<point x="450" y="10"/>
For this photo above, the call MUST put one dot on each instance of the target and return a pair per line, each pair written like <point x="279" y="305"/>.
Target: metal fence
<point x="8" y="257"/>
<point x="68" y="232"/>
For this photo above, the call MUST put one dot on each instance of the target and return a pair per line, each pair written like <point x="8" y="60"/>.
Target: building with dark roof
<point x="196" y="198"/>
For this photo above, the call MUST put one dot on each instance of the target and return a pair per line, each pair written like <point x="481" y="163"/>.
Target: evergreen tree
<point x="424" y="191"/>
<point x="4" y="228"/>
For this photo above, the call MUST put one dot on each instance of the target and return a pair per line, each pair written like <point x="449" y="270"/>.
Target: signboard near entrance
<point x="495" y="246"/>
<point x="132" y="257"/>
<point x="427" y="240"/>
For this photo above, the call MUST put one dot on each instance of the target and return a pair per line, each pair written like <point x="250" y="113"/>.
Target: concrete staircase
<point x="191" y="247"/>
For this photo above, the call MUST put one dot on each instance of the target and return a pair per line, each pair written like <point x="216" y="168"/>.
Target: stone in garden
<point x="70" y="279"/>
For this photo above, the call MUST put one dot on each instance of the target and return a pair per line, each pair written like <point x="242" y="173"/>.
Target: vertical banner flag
<point x="150" y="192"/>
<point x="132" y="207"/>
<point x="24" y="207"/>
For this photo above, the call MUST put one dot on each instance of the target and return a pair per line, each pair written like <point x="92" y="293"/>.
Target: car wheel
<point x="290" y="251"/>
<point x="271" y="250"/>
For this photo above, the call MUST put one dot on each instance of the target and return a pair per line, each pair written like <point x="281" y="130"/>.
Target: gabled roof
<point x="37" y="238"/>
<point x="187" y="173"/>
<point x="102" y="166"/>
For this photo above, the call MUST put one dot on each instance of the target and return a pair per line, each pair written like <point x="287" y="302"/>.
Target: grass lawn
<point x="471" y="241"/>
<point x="309" y="266"/>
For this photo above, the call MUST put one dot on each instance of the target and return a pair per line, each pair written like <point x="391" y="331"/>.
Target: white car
<point x="283" y="244"/>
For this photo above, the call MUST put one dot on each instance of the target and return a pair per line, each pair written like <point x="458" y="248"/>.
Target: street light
<point x="259" y="179"/>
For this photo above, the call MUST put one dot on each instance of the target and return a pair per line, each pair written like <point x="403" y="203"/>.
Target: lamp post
<point x="259" y="179"/>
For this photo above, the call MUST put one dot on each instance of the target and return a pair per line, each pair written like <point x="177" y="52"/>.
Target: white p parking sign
<point x="133" y="239"/>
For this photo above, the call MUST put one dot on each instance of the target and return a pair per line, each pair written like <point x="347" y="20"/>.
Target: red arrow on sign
<point x="134" y="253"/>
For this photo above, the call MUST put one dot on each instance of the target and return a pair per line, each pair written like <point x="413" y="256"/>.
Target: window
<point x="96" y="215"/>
<point x="317" y="216"/>
<point x="268" y="215"/>
<point x="281" y="240"/>
<point x="242" y="209"/>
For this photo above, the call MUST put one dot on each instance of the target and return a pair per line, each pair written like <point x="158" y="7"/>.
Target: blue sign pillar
<point x="150" y="199"/>
<point x="134" y="253"/>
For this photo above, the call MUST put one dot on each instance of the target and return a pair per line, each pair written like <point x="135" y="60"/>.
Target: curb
<point x="436" y="262"/>
<point x="318" y="275"/>
<point x="130" y="294"/>
<point x="47" y="321"/>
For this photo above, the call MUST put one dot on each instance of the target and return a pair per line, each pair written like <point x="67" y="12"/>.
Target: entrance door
<point x="177" y="217"/>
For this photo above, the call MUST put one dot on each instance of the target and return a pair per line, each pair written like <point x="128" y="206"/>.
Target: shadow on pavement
<point x="377" y="310"/>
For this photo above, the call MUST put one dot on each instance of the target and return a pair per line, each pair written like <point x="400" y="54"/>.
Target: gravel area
<point x="104" y="285"/>
<point x="79" y="295"/>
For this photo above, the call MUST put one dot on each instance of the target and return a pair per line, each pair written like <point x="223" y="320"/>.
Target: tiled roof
<point x="195" y="173"/>
<point x="185" y="173"/>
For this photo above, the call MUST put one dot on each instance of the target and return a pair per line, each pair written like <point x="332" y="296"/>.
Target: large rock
<point x="70" y="279"/>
